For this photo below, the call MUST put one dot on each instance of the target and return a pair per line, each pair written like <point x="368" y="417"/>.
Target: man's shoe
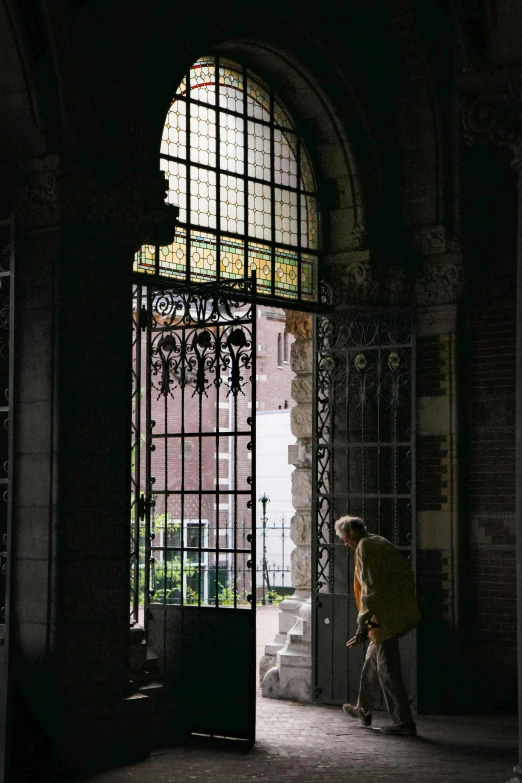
<point x="357" y="712"/>
<point x="400" y="729"/>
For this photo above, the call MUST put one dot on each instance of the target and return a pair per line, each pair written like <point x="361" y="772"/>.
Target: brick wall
<point x="490" y="568"/>
<point x="274" y="376"/>
<point x="435" y="588"/>
<point x="432" y="472"/>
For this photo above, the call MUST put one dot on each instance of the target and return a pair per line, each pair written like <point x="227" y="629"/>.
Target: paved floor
<point x="308" y="744"/>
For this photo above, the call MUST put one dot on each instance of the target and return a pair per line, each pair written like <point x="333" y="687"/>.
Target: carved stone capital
<point x="125" y="202"/>
<point x="495" y="117"/>
<point x="355" y="281"/>
<point x="102" y="199"/>
<point x="38" y="197"/>
<point x="439" y="281"/>
<point x="432" y="240"/>
<point x="358" y="238"/>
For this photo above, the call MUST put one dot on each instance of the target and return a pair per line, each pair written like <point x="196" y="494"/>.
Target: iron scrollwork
<point x="201" y="336"/>
<point x="363" y="426"/>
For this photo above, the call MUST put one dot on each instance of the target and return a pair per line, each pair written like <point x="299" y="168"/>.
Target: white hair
<point x="348" y="527"/>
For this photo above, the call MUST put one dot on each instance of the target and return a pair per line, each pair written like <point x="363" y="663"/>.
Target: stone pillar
<point x="78" y="226"/>
<point x="494" y="117"/>
<point x="438" y="283"/>
<point x="517" y="165"/>
<point x="286" y="667"/>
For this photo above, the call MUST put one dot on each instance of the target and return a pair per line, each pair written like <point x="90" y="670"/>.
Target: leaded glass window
<point x="240" y="174"/>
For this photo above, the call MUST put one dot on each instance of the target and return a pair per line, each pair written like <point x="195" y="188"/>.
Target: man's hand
<point x="362" y="634"/>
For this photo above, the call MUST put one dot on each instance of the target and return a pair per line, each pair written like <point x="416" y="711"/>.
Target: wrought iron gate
<point x="6" y="389"/>
<point x="193" y="572"/>
<point x="364" y="465"/>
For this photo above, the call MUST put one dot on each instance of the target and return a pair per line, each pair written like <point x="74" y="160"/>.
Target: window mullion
<point x="218" y="175"/>
<point x="188" y="175"/>
<point x="246" y="178"/>
<point x="272" y="191"/>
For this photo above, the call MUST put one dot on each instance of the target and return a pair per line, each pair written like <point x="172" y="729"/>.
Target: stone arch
<point x="22" y="134"/>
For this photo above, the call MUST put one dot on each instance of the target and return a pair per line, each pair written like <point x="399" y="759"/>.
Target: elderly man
<point x="385" y="595"/>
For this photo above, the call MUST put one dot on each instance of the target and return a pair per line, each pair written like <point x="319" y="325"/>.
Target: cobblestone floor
<point x="308" y="744"/>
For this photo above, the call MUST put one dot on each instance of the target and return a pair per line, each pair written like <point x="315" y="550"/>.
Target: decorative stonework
<point x="99" y="199"/>
<point x="358" y="238"/>
<point x="38" y="202"/>
<point x="127" y="203"/>
<point x="429" y="240"/>
<point x="285" y="669"/>
<point x="494" y="117"/>
<point x="439" y="282"/>
<point x="299" y="324"/>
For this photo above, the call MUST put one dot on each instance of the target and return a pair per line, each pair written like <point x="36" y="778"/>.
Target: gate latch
<point x="142" y="506"/>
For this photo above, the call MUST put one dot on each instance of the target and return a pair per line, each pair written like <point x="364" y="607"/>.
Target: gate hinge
<point x="143" y="318"/>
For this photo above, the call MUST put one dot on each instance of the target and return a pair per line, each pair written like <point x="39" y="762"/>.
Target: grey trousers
<point x="382" y="667"/>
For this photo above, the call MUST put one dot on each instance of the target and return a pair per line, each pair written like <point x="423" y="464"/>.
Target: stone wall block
<point x="301" y="420"/>
<point x="301" y="568"/>
<point x="301" y="528"/>
<point x="299" y="324"/>
<point x="302" y="389"/>
<point x="301" y="356"/>
<point x="302" y="489"/>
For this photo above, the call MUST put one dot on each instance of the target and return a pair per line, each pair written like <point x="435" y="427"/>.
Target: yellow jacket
<point x="384" y="587"/>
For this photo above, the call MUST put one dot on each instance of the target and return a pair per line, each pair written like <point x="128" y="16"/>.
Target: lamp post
<point x="264" y="499"/>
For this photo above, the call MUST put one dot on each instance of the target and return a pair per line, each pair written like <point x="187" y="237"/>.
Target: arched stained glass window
<point x="241" y="177"/>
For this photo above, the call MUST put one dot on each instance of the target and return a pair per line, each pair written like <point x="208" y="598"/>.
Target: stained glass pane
<point x="307" y="176"/>
<point x="285" y="159"/>
<point x="259" y="158"/>
<point x="174" y="138"/>
<point x="230" y="85"/>
<point x="259" y="211"/>
<point x="286" y="272"/>
<point x="260" y="259"/>
<point x="203" y="197"/>
<point x="281" y="116"/>
<point x="177" y="179"/>
<point x="258" y="100"/>
<point x="203" y="81"/>
<point x="232" y="257"/>
<point x="309" y="277"/>
<point x="309" y="222"/>
<point x="231" y="143"/>
<point x="202" y="135"/>
<point x="203" y="254"/>
<point x="285" y="216"/>
<point x="232" y="204"/>
<point x="182" y="89"/>
<point x="145" y="259"/>
<point x="173" y="258"/>
<point x="237" y="214"/>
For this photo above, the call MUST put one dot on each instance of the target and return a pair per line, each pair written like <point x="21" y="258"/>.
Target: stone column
<point x="438" y="284"/>
<point x="286" y="668"/>
<point x="78" y="226"/>
<point x="517" y="164"/>
<point x="495" y="117"/>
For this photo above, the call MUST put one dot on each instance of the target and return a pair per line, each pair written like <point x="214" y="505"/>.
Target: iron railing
<point x="272" y="565"/>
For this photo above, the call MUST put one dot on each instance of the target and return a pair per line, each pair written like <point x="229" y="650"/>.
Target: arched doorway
<point x="248" y="232"/>
<point x="240" y="173"/>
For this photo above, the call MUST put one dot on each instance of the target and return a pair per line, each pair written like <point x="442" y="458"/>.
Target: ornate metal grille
<point x="193" y="459"/>
<point x="240" y="174"/>
<point x="363" y="453"/>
